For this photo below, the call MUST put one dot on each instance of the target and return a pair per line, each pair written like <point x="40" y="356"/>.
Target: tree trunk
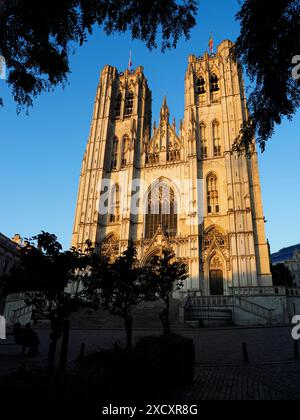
<point x="165" y="318"/>
<point x="128" y="326"/>
<point x="168" y="327"/>
<point x="2" y="304"/>
<point x="64" y="346"/>
<point x="54" y="337"/>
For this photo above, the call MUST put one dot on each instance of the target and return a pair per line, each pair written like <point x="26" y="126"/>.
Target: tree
<point x="43" y="274"/>
<point x="119" y="287"/>
<point x="282" y="275"/>
<point x="36" y="36"/>
<point x="266" y="47"/>
<point x="36" y="39"/>
<point x="170" y="274"/>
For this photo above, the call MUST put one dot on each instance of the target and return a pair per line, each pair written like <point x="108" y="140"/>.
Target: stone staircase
<point x="23" y="315"/>
<point x="254" y="309"/>
<point x="8" y="347"/>
<point x="145" y="316"/>
<point x="211" y="311"/>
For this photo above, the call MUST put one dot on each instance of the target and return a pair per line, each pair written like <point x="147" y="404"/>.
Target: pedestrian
<point x="18" y="333"/>
<point x="30" y="341"/>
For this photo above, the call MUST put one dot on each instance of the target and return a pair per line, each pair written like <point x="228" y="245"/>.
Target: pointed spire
<point x="165" y="113"/>
<point x="180" y="129"/>
<point x="165" y="105"/>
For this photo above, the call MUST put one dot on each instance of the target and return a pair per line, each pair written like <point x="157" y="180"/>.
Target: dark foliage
<point x="47" y="271"/>
<point x="106" y="376"/>
<point x="167" y="274"/>
<point x="37" y="37"/>
<point x="119" y="287"/>
<point x="282" y="275"/>
<point x="44" y="274"/>
<point x="148" y="369"/>
<point x="266" y="47"/>
<point x="171" y="350"/>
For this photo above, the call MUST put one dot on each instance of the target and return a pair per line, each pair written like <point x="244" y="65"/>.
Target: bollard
<point x="296" y="350"/>
<point x="245" y="353"/>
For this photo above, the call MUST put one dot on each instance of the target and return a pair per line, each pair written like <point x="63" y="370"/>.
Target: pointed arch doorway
<point x="216" y="277"/>
<point x="216" y="283"/>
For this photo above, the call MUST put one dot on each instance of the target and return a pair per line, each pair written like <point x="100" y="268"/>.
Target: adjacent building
<point x="9" y="255"/>
<point x="9" y="252"/>
<point x="291" y="258"/>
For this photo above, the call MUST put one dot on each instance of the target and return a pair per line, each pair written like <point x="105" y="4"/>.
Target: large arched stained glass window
<point x="161" y="211"/>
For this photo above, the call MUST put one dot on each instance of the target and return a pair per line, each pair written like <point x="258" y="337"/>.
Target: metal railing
<point x="195" y="313"/>
<point x="212" y="303"/>
<point x="265" y="291"/>
<point x="208" y="301"/>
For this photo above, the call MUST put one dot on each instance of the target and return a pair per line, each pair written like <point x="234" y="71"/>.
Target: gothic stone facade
<point x="215" y="219"/>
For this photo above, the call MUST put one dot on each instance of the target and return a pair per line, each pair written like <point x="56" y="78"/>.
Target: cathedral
<point x="162" y="185"/>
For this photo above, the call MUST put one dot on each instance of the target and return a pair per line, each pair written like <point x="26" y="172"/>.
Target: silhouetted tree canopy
<point x="268" y="42"/>
<point x="36" y="36"/>
<point x="282" y="275"/>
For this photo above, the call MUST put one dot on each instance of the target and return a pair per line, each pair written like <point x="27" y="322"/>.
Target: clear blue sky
<point x="41" y="153"/>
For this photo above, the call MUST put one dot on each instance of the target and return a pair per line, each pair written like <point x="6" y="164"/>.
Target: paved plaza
<point x="221" y="374"/>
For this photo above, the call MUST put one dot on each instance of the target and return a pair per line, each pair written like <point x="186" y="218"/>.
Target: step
<point x="145" y="316"/>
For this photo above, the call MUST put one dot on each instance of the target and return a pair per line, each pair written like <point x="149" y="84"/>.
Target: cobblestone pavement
<point x="272" y="373"/>
<point x="213" y="347"/>
<point x="254" y="383"/>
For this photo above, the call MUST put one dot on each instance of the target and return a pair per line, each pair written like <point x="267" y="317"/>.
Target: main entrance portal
<point x="216" y="283"/>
